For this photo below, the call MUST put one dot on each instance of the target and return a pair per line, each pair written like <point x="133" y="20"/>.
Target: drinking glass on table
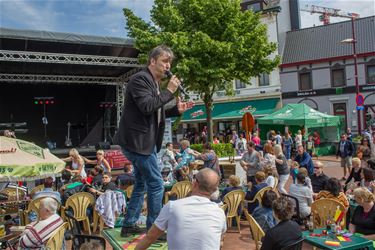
<point x="310" y="226"/>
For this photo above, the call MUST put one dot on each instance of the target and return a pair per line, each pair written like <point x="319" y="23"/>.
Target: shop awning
<point x="231" y="110"/>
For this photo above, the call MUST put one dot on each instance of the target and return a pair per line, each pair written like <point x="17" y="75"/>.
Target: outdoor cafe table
<point x="229" y="167"/>
<point x="356" y="242"/>
<point x="113" y="236"/>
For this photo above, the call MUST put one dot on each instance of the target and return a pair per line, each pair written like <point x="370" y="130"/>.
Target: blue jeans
<point x="147" y="178"/>
<point x="288" y="149"/>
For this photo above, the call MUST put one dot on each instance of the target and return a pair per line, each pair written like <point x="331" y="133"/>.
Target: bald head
<point x="319" y="164"/>
<point x="208" y="181"/>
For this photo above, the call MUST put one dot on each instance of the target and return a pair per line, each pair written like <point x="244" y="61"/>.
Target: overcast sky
<point x="105" y="17"/>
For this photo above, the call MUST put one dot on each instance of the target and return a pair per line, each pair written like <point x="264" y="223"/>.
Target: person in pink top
<point x="255" y="138"/>
<point x="216" y="140"/>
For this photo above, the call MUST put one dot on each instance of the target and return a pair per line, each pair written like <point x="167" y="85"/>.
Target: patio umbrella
<point x="24" y="161"/>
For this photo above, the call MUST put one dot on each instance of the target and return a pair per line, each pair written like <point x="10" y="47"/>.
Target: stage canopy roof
<point x="31" y="56"/>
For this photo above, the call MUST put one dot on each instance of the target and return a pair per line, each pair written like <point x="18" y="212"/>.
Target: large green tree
<point x="213" y="40"/>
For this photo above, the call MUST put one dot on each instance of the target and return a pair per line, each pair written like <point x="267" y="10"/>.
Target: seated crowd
<point x="199" y="216"/>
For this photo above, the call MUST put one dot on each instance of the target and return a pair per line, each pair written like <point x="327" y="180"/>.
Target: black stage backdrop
<point x="74" y="103"/>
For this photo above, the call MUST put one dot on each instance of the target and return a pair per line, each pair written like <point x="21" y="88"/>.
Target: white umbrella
<point x="24" y="161"/>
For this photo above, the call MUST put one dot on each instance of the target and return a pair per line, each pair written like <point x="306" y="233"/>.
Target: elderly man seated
<point x="37" y="233"/>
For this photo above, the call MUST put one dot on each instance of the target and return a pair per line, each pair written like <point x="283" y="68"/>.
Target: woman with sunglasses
<point x="100" y="161"/>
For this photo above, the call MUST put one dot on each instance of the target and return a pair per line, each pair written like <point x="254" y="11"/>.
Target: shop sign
<point x="306" y="93"/>
<point x="197" y="113"/>
<point x="249" y="108"/>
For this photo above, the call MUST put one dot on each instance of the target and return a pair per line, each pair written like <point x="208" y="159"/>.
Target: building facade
<point x="318" y="69"/>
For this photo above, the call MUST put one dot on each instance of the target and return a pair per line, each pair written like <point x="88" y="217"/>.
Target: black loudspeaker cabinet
<point x="103" y="145"/>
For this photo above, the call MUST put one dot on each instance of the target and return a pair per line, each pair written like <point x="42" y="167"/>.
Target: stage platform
<point x="113" y="237"/>
<point x="83" y="150"/>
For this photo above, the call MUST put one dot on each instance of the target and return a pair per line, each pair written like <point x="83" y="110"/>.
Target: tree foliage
<point x="213" y="40"/>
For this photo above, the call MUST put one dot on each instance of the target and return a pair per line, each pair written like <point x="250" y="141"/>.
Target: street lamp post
<point x="353" y="42"/>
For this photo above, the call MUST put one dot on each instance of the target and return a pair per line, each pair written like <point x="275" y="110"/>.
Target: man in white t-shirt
<point x="193" y="222"/>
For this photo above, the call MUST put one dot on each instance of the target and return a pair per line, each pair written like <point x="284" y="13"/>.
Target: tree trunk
<point x="208" y="104"/>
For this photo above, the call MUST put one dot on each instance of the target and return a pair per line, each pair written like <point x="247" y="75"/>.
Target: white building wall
<point x="321" y="78"/>
<point x="283" y="23"/>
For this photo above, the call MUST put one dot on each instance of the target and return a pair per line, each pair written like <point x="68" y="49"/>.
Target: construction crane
<point x="326" y="13"/>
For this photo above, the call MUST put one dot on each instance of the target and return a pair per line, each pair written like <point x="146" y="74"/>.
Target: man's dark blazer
<point x="138" y="130"/>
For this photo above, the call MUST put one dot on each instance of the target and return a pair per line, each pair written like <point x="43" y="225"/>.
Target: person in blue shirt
<point x="184" y="158"/>
<point x="304" y="160"/>
<point x="345" y="151"/>
<point x="264" y="214"/>
<point x="260" y="178"/>
<point x="48" y="191"/>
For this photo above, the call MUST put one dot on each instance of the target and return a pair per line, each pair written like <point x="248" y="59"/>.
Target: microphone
<point x="182" y="90"/>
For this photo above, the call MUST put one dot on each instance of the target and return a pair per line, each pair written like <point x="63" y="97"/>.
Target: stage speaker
<point x="103" y="145"/>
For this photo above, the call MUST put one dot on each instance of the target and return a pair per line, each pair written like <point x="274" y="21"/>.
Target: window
<point x="305" y="81"/>
<point x="240" y="85"/>
<point x="338" y="77"/>
<point x="254" y="5"/>
<point x="370" y="74"/>
<point x="264" y="79"/>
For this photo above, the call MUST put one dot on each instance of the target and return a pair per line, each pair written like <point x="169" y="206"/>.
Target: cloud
<point x="29" y="15"/>
<point x="105" y="17"/>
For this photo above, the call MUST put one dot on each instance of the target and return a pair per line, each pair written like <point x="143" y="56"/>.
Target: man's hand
<point x="183" y="106"/>
<point x="173" y="84"/>
<point x="152" y="235"/>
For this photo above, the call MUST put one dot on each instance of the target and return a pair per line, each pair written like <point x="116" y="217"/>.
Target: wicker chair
<point x="36" y="189"/>
<point x="180" y="189"/>
<point x="12" y="205"/>
<point x="256" y="230"/>
<point x="234" y="200"/>
<point x="11" y="192"/>
<point x="325" y="209"/>
<point x="79" y="203"/>
<point x="57" y="238"/>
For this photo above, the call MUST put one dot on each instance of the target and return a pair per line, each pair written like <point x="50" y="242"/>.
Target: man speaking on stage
<point x="141" y="132"/>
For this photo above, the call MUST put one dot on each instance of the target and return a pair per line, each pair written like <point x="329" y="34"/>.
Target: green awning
<point x="231" y="110"/>
<point x="300" y="115"/>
